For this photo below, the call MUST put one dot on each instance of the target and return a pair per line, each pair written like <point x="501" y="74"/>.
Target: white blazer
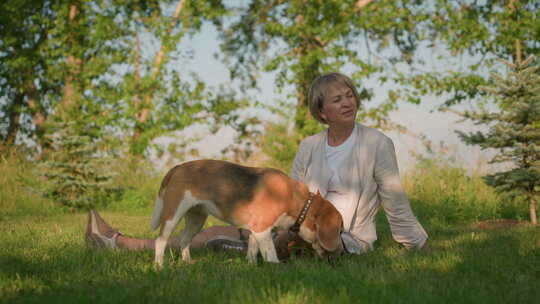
<point x="373" y="179"/>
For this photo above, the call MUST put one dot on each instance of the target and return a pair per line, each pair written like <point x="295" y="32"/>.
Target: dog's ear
<point x="328" y="230"/>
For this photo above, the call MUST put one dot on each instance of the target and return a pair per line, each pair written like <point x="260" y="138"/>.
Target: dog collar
<point x="295" y="228"/>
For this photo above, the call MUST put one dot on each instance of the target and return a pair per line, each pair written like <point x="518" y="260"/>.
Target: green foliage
<point x="468" y="38"/>
<point x="514" y="130"/>
<point x="157" y="96"/>
<point x="18" y="184"/>
<point x="300" y="42"/>
<point x="442" y="193"/>
<point x="140" y="183"/>
<point x="74" y="47"/>
<point x="23" y="32"/>
<point x="225" y="108"/>
<point x="76" y="174"/>
<point x="134" y="184"/>
<point x="280" y="143"/>
<point x="280" y="139"/>
<point x="97" y="58"/>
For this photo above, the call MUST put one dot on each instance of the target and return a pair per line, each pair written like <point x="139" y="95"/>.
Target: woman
<point x="351" y="165"/>
<point x="354" y="166"/>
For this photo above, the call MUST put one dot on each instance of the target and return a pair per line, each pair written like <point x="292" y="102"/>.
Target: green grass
<point x="43" y="257"/>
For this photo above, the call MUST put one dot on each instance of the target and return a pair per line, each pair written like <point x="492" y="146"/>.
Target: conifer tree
<point x="514" y="131"/>
<point x="75" y="172"/>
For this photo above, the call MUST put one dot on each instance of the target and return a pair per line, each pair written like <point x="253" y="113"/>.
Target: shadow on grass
<point x="464" y="265"/>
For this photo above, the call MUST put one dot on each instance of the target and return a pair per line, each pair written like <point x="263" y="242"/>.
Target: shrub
<point x="18" y="188"/>
<point x="140" y="182"/>
<point x="77" y="173"/>
<point x="444" y="192"/>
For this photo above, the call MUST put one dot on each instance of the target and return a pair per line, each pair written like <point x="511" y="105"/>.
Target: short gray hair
<point x="319" y="89"/>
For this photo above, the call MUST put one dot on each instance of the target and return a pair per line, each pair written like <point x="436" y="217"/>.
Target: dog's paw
<point x="158" y="267"/>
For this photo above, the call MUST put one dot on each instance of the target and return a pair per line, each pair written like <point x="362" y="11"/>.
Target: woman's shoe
<point x="226" y="243"/>
<point x="99" y="234"/>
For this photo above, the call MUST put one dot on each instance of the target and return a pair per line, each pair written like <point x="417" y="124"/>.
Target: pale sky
<point x="437" y="126"/>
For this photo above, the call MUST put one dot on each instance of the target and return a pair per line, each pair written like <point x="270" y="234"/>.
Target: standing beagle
<point x="257" y="199"/>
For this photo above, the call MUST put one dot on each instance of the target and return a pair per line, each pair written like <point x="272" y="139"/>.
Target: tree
<point x="60" y="53"/>
<point x="300" y="40"/>
<point x="514" y="130"/>
<point x="76" y="173"/>
<point x="85" y="61"/>
<point x="23" y="70"/>
<point x="466" y="39"/>
<point x="160" y="98"/>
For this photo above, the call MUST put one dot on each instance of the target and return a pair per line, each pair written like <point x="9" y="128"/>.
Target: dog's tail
<point x="158" y="208"/>
<point x="156" y="216"/>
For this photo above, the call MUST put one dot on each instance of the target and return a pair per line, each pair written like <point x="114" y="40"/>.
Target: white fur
<point x="262" y="241"/>
<point x="307" y="234"/>
<point x="253" y="249"/>
<point x="156" y="215"/>
<point x="310" y="236"/>
<point x="194" y="221"/>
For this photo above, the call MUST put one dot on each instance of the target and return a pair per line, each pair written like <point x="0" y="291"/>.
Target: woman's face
<point x="339" y="106"/>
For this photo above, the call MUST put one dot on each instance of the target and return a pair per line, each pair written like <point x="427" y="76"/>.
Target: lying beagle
<point x="257" y="199"/>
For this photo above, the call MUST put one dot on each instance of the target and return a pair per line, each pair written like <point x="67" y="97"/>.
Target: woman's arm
<point x="298" y="167"/>
<point x="387" y="173"/>
<point x="404" y="226"/>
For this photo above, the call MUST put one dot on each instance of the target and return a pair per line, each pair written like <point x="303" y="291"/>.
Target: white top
<point x="338" y="194"/>
<point x="336" y="156"/>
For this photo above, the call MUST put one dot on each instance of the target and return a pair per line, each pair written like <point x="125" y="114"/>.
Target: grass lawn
<point x="43" y="259"/>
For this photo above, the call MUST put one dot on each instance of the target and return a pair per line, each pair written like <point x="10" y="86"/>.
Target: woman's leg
<point x="99" y="234"/>
<point x="216" y="237"/>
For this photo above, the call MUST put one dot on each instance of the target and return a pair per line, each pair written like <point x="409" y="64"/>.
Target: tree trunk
<point x="158" y="62"/>
<point x="305" y="77"/>
<point x="360" y="4"/>
<point x="137" y="98"/>
<point x="532" y="210"/>
<point x="69" y="89"/>
<point x="14" y="120"/>
<point x="38" y="115"/>
<point x="303" y="86"/>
